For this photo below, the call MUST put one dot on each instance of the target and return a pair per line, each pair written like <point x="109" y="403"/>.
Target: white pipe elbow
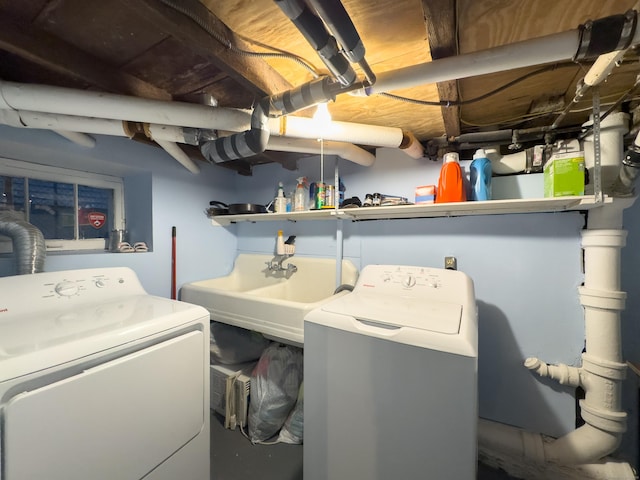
<point x="564" y="374"/>
<point x="585" y="445"/>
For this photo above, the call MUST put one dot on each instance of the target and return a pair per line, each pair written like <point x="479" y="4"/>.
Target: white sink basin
<point x="274" y="304"/>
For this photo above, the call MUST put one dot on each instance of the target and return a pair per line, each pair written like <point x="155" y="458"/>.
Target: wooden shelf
<point x="491" y="207"/>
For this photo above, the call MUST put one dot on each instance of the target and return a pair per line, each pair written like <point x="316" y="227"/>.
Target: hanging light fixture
<point x="322" y="118"/>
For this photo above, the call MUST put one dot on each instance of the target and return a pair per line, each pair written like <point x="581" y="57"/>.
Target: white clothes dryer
<point x="101" y="381"/>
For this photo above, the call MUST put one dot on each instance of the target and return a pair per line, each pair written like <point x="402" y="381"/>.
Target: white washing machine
<point x="101" y="381"/>
<point x="390" y="373"/>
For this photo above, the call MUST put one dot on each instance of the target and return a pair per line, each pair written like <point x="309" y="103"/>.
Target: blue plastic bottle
<point x="480" y="176"/>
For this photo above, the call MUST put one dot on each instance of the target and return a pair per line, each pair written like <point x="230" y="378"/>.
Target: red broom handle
<point x="173" y="263"/>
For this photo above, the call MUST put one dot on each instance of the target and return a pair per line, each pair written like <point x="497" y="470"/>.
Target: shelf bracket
<point x="597" y="158"/>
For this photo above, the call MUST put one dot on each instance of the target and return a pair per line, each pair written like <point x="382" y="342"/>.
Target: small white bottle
<point x="280" y="202"/>
<point x="280" y="244"/>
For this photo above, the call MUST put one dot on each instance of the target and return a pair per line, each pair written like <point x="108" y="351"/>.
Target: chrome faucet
<point x="275" y="265"/>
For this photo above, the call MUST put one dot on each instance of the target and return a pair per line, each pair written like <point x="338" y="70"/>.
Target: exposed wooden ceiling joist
<point x="252" y="73"/>
<point x="440" y="19"/>
<point x="53" y="54"/>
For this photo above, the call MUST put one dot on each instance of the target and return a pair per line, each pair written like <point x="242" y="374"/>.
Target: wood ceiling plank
<point x="440" y="19"/>
<point x="252" y="73"/>
<point x="58" y="56"/>
<point x="23" y="11"/>
<point x="102" y="29"/>
<point x="485" y="24"/>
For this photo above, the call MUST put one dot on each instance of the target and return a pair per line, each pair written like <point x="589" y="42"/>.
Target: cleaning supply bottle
<point x="280" y="202"/>
<point x="300" y="197"/>
<point x="451" y="182"/>
<point x="480" y="176"/>
<point x="280" y="243"/>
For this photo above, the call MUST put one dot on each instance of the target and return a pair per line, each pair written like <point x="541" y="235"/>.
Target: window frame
<point x="28" y="170"/>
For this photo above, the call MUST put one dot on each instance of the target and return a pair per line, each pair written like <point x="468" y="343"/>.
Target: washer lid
<point x="399" y="311"/>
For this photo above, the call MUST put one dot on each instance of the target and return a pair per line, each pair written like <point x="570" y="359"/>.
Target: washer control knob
<point x="66" y="289"/>
<point x="100" y="283"/>
<point x="409" y="281"/>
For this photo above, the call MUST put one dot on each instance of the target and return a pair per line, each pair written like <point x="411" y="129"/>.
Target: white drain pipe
<point x="580" y="453"/>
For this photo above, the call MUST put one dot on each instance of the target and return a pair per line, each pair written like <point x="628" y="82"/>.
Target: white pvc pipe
<point x="176" y="152"/>
<point x="71" y="123"/>
<point x="167" y="133"/>
<point x="612" y="130"/>
<point x="521" y="453"/>
<point x="66" y="101"/>
<point x="347" y="151"/>
<point x="94" y="112"/>
<point x="357" y="133"/>
<point x="506" y="164"/>
<point x="81" y="139"/>
<point x="536" y="51"/>
<point x="602" y="371"/>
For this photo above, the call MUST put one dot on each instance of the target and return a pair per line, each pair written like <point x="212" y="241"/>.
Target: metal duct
<point x="28" y="244"/>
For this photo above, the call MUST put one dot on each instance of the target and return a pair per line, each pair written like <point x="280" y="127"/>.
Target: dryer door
<point x="118" y="420"/>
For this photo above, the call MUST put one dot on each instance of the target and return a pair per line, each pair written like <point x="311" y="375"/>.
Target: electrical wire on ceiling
<point x="458" y="103"/>
<point x="309" y="67"/>
<point x="526" y="117"/>
<point x="277" y="53"/>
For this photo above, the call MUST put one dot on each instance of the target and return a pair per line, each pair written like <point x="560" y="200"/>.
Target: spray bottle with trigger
<point x="300" y="197"/>
<point x="280" y="202"/>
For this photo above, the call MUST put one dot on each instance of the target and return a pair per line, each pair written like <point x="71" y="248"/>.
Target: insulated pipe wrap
<point x="337" y="19"/>
<point x="306" y="95"/>
<point x="28" y="244"/>
<point x="606" y="35"/>
<point x="245" y="144"/>
<point x="314" y="31"/>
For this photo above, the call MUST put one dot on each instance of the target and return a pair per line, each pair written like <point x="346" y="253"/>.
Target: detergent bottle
<point x="451" y="181"/>
<point x="480" y="176"/>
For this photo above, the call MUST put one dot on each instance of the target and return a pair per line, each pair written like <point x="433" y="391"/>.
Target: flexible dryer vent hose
<point x="28" y="244"/>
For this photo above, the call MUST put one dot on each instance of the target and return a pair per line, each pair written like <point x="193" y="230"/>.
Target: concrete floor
<point x="233" y="457"/>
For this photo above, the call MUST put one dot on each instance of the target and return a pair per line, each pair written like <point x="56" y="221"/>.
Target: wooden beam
<point x="56" y="55"/>
<point x="252" y="73"/>
<point x="440" y="20"/>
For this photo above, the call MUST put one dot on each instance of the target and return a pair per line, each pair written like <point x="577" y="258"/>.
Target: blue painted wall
<point x="526" y="268"/>
<point x="160" y="194"/>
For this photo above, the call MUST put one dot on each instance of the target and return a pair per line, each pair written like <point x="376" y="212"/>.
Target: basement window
<point x="74" y="210"/>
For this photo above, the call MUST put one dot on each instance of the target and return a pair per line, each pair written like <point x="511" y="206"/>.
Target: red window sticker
<point x="97" y="219"/>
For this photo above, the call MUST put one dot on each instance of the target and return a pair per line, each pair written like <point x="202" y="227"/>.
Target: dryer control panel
<point x="52" y="290"/>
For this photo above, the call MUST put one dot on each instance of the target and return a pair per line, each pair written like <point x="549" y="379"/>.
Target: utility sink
<point x="273" y="303"/>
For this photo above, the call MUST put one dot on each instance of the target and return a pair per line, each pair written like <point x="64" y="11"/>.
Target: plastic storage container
<point x="451" y="182"/>
<point x="480" y="176"/>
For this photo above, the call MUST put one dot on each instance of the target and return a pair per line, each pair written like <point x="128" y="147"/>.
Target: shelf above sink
<point x="491" y="207"/>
